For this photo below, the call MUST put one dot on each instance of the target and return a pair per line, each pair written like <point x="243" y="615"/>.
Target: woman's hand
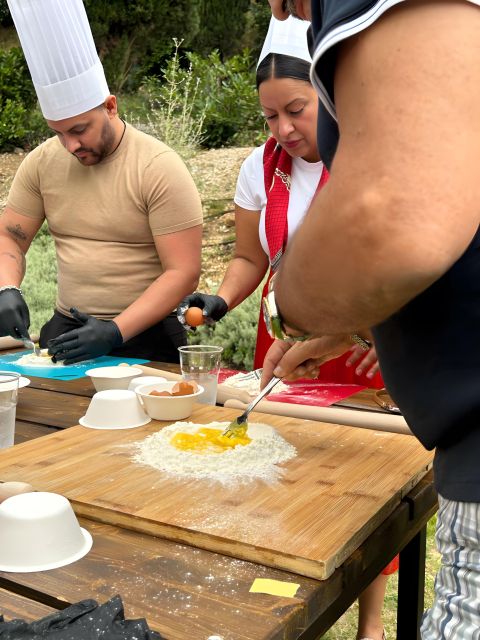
<point x="292" y="360"/>
<point x="367" y="361"/>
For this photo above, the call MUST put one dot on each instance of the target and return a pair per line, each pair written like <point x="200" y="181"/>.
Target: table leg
<point x="411" y="586"/>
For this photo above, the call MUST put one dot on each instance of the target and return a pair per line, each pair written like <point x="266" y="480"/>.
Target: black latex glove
<point x="95" y="338"/>
<point x="85" y="620"/>
<point x="214" y="307"/>
<point x="14" y="314"/>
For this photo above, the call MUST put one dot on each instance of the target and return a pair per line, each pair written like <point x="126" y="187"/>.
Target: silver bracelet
<point x="11" y="286"/>
<point x="364" y="344"/>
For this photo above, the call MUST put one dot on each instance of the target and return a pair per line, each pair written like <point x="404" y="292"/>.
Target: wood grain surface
<point x="183" y="592"/>
<point x="341" y="486"/>
<point x="13" y="606"/>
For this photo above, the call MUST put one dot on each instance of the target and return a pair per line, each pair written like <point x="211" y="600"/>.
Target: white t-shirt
<point x="250" y="193"/>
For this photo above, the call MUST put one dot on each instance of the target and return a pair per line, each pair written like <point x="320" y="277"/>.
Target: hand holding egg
<point x="200" y="308"/>
<point x="194" y="316"/>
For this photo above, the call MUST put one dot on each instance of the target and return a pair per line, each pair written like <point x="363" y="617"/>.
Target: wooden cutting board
<point x="341" y="486"/>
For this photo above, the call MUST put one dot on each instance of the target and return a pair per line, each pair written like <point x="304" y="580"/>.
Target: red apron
<point x="277" y="168"/>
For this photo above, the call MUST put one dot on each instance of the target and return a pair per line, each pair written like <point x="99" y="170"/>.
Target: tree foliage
<point x="257" y="21"/>
<point x="5" y="18"/>
<point x="223" y="24"/>
<point x="133" y="36"/>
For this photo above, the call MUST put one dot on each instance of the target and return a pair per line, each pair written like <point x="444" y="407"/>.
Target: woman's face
<point x="290" y="108"/>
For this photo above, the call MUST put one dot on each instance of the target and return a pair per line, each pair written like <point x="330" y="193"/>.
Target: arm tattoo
<point x="20" y="260"/>
<point x="17" y="232"/>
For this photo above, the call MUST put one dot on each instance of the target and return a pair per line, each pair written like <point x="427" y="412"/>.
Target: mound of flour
<point x="250" y="382"/>
<point x="33" y="360"/>
<point x="255" y="461"/>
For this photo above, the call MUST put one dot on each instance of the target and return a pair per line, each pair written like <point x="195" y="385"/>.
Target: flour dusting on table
<point x="250" y="382"/>
<point x="255" y="461"/>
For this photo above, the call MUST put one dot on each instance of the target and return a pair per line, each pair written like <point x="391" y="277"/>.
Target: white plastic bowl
<point x="105" y="378"/>
<point x="165" y="407"/>
<point x="143" y="380"/>
<point x="114" y="409"/>
<point x="40" y="531"/>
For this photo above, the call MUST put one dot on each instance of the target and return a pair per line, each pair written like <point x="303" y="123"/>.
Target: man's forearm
<point x="12" y="263"/>
<point x="343" y="270"/>
<point x="401" y="205"/>
<point x="161" y="297"/>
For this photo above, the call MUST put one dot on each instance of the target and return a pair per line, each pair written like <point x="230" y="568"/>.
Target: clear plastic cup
<point x="9" y="381"/>
<point x="201" y="363"/>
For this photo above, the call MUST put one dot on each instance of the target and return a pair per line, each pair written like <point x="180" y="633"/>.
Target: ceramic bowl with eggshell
<point x="105" y="378"/>
<point x="40" y="531"/>
<point x="163" y="407"/>
<point x="142" y="380"/>
<point x="114" y="409"/>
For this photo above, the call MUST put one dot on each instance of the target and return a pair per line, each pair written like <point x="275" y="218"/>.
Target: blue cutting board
<point x="67" y="372"/>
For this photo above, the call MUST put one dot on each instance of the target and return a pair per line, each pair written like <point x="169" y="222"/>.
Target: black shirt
<point x="430" y="350"/>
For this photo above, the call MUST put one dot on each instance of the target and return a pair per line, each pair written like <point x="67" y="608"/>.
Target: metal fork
<point x="239" y="426"/>
<point x="31" y="345"/>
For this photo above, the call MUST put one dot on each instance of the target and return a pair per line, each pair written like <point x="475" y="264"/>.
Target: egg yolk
<point x="207" y="440"/>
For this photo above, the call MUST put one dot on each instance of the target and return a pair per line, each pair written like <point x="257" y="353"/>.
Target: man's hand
<point x="14" y="314"/>
<point x="94" y="338"/>
<point x="278" y="8"/>
<point x="214" y="307"/>
<point x="294" y="360"/>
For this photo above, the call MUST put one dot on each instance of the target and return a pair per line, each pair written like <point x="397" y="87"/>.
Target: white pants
<point x="455" y="614"/>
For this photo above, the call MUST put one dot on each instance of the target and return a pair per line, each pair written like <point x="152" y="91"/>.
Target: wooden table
<point x="187" y="593"/>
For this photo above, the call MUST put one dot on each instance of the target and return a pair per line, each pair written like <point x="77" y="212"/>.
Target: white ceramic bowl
<point x="40" y="531"/>
<point x="114" y="409"/>
<point x="105" y="378"/>
<point x="164" y="407"/>
<point x="142" y="380"/>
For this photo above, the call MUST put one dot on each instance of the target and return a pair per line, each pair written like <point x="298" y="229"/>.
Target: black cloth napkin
<point x="85" y="620"/>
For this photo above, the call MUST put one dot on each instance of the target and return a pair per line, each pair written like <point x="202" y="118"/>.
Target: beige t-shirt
<point x="103" y="217"/>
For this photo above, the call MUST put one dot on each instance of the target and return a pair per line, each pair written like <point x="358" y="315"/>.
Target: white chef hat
<point x="57" y="42"/>
<point x="288" y="37"/>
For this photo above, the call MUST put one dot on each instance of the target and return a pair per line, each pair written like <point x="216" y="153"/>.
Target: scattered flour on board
<point x="250" y="382"/>
<point x="256" y="461"/>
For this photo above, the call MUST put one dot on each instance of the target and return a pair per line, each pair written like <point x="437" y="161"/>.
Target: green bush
<point x="228" y="94"/>
<point x="21" y="124"/>
<point x="13" y="118"/>
<point x="236" y="333"/>
<point x="15" y="81"/>
<point x="219" y="95"/>
<point x="171" y="102"/>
